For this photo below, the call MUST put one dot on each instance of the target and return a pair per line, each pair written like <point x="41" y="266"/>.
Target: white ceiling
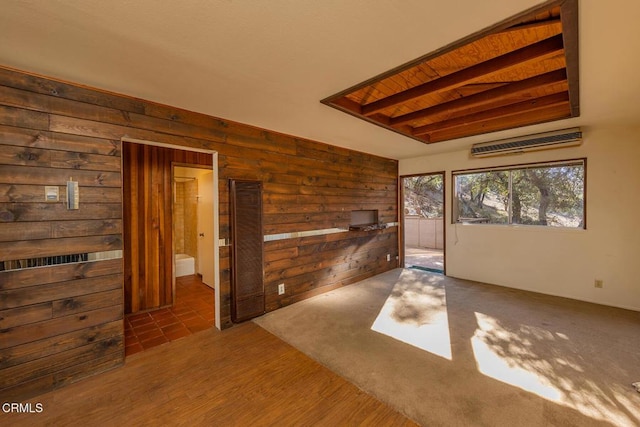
<point x="268" y="63"/>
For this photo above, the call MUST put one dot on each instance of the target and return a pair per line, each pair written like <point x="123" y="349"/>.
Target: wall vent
<point x="540" y="141"/>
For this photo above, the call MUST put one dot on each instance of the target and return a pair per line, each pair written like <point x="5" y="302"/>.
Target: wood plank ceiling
<point x="519" y="72"/>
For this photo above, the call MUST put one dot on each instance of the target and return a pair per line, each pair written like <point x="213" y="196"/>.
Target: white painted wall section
<point x="563" y="262"/>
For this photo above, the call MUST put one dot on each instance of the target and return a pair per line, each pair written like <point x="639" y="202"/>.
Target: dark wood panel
<point x="37" y="331"/>
<point x="90" y="128"/>
<point x="65" y="90"/>
<point x="22" y="137"/>
<point x="18" y="117"/>
<point x="70" y="108"/>
<point x="28" y="156"/>
<point x="30" y="212"/>
<point x="45" y="347"/>
<point x="24" y="315"/>
<point x="35" y="194"/>
<point x="61" y="290"/>
<point x="273" y="208"/>
<point x="78" y="304"/>
<point x="58" y="229"/>
<point x="56" y="247"/>
<point x="47" y="176"/>
<point x="279" y="270"/>
<point x="74" y="373"/>
<point x="58" y="273"/>
<point x="63" y="360"/>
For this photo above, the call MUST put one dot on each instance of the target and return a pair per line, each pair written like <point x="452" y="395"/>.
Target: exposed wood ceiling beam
<point x="553" y="112"/>
<point x="496" y="113"/>
<point x="489" y="96"/>
<point x="536" y="51"/>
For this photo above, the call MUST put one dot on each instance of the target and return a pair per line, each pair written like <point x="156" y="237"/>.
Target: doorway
<point x="193" y="208"/>
<point x="423" y="207"/>
<point x="159" y="305"/>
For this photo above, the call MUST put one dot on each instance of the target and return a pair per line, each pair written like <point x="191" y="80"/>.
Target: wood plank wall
<point x="148" y="221"/>
<point x="54" y="325"/>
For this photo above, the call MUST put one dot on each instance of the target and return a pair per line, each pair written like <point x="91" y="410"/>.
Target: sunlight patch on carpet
<point x="514" y="357"/>
<point x="416" y="314"/>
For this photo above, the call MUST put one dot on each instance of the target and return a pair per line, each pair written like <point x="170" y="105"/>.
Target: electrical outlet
<point x="388" y="257"/>
<point x="598" y="283"/>
<point x="281" y="289"/>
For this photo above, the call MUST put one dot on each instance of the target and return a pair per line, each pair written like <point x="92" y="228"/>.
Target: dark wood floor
<point x="243" y="376"/>
<point x="192" y="312"/>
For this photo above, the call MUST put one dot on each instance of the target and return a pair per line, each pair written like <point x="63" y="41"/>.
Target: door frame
<point x="216" y="224"/>
<point x="401" y="242"/>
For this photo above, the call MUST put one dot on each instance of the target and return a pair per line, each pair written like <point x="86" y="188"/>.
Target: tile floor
<point x="192" y="312"/>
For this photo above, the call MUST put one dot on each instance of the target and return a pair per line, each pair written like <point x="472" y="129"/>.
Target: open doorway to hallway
<point x="166" y="297"/>
<point x="423" y="218"/>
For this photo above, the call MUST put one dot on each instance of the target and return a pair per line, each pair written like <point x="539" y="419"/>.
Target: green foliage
<point x="423" y="195"/>
<point x="550" y="195"/>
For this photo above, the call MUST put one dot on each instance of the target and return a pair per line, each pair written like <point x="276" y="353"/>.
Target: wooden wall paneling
<point x="49" y="129"/>
<point x="18" y="279"/>
<point x="41" y="306"/>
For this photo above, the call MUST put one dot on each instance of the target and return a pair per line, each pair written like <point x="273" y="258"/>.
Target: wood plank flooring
<point x="243" y="376"/>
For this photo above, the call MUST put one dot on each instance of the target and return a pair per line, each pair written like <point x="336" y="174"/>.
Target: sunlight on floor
<point x="416" y="314"/>
<point x="493" y="365"/>
<point x="511" y="356"/>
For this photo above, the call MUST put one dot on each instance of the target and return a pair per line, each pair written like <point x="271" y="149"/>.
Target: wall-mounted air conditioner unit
<point x="540" y="141"/>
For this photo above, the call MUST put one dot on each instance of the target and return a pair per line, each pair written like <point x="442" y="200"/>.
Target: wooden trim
<point x="570" y="25"/>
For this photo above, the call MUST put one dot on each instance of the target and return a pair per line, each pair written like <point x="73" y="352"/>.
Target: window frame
<point x="519" y="166"/>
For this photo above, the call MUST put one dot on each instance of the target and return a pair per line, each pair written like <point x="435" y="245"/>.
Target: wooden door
<point x="247" y="287"/>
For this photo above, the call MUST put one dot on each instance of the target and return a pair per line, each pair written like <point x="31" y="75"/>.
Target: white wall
<point x="563" y="262"/>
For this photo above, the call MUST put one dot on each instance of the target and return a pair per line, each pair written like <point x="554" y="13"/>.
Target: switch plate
<point x="51" y="193"/>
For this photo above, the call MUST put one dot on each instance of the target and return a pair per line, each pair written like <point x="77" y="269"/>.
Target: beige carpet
<point x="452" y="352"/>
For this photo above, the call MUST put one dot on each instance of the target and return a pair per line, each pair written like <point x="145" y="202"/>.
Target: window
<point x="550" y="194"/>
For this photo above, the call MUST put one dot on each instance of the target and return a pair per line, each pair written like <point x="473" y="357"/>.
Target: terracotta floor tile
<point x="142" y="321"/>
<point x="150" y="334"/>
<point x="145" y="328"/>
<point x="174" y="327"/>
<point x="193" y="312"/>
<point x="133" y="349"/>
<point x="134" y="317"/>
<point x="167" y="321"/>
